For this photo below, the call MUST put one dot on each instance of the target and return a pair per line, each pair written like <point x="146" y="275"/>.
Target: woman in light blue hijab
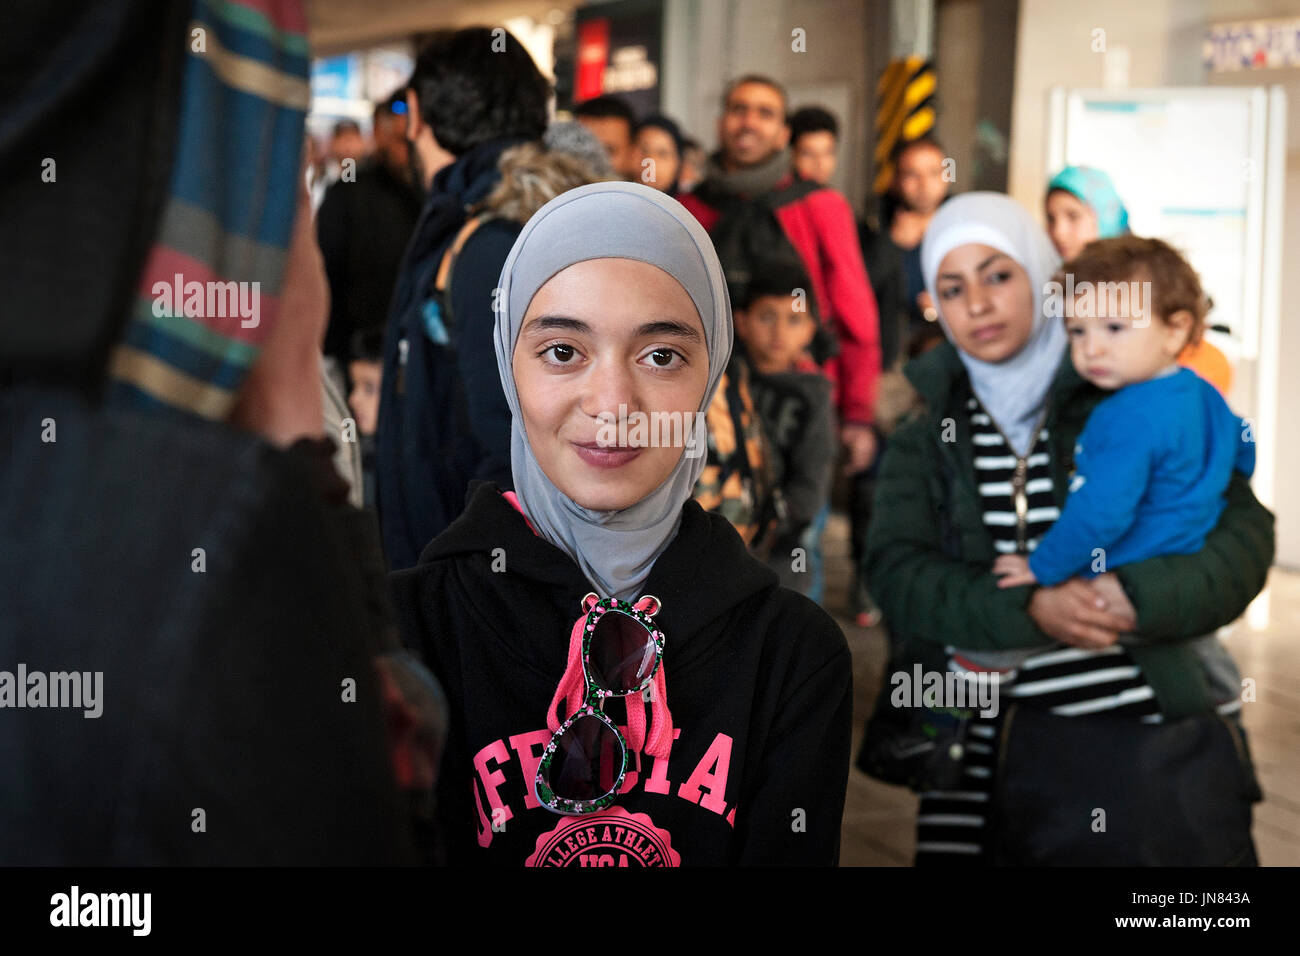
<point x="1013" y="388"/>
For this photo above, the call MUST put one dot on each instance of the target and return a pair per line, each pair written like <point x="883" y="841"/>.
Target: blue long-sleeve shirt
<point x="1151" y="468"/>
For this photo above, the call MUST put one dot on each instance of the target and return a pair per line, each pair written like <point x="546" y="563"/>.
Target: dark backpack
<point x="426" y="453"/>
<point x="749" y="239"/>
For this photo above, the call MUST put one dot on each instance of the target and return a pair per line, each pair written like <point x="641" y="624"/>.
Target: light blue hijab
<point x="1015" y="390"/>
<point x="615" y="549"/>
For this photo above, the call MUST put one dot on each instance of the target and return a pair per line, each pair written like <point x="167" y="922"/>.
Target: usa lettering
<point x="589" y="842"/>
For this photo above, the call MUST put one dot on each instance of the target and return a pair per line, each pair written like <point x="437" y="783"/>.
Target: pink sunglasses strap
<point x="570" y="692"/>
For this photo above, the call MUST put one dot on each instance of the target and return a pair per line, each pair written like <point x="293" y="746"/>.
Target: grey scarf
<point x="614" y="549"/>
<point x="751" y="181"/>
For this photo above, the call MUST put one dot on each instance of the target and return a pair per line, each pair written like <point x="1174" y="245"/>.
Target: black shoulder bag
<point x="923" y="748"/>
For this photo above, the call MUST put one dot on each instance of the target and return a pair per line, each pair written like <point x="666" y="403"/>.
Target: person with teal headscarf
<point x="1082" y="205"/>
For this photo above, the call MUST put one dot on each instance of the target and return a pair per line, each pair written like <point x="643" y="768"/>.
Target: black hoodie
<point x="758" y="679"/>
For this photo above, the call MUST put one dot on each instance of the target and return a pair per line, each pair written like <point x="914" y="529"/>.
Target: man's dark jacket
<point x="363" y="228"/>
<point x="443" y="417"/>
<point x="208" y="577"/>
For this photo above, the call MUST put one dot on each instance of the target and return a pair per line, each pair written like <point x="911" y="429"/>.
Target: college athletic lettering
<point x="612" y="837"/>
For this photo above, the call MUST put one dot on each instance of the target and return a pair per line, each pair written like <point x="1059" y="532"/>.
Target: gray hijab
<point x="1013" y="391"/>
<point x="614" y="549"/>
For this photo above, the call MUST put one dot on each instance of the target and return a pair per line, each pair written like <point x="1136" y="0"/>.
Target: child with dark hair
<point x="612" y="121"/>
<point x="1153" y="463"/>
<point x="814" y="139"/>
<point x="365" y="376"/>
<point x="777" y="327"/>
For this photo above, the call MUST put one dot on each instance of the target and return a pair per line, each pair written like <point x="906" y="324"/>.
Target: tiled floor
<point x="879" y="819"/>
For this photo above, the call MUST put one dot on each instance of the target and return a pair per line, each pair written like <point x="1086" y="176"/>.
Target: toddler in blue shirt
<point x="1153" y="463"/>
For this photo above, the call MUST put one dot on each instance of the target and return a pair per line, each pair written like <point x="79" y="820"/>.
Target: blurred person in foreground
<point x="172" y="531"/>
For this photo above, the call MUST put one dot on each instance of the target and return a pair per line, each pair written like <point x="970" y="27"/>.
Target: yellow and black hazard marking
<point x="904" y="111"/>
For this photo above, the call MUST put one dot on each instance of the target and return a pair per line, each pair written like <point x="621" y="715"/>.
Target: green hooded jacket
<point x="928" y="554"/>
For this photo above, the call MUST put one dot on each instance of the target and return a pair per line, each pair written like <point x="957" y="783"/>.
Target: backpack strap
<point x="447" y="269"/>
<point x="768" y="504"/>
<point x="443" y="280"/>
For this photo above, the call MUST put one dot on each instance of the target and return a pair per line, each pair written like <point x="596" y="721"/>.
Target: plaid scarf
<point x="210" y="288"/>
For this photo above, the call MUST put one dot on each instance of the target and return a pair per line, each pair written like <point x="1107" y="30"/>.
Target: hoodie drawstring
<point x="572" y="686"/>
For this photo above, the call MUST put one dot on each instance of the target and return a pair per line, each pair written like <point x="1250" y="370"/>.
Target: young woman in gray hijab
<point x="552" y="614"/>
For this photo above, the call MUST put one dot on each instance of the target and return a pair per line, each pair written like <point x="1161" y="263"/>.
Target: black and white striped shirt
<point x="998" y="472"/>
<point x="1071" y="682"/>
<point x="1068" y="680"/>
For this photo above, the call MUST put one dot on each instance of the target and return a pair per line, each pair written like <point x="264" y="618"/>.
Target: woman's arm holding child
<point x="927" y="595"/>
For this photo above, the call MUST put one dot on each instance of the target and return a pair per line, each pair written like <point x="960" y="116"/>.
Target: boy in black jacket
<point x="776" y="328"/>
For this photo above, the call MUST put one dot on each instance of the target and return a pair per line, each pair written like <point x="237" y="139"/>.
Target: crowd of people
<point x="509" y="589"/>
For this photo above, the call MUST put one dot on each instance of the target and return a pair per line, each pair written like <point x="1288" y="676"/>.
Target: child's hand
<point x="1012" y="570"/>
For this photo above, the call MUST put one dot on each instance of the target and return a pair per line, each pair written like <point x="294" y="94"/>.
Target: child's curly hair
<point x="1175" y="286"/>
